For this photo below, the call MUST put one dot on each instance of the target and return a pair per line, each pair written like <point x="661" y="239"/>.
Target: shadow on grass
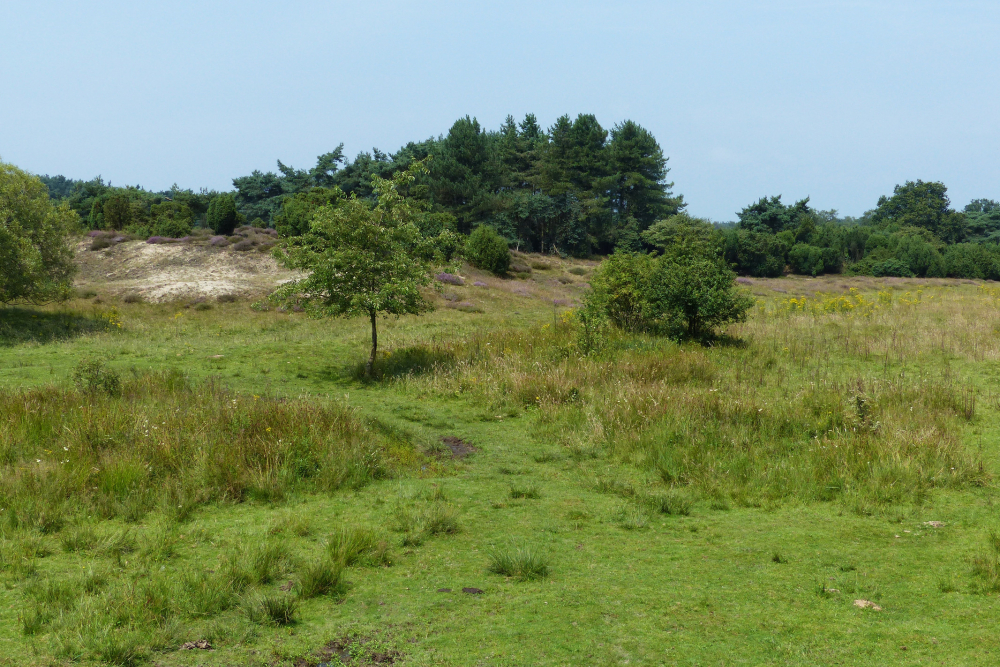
<point x="415" y="360"/>
<point x="725" y="340"/>
<point x="25" y="325"/>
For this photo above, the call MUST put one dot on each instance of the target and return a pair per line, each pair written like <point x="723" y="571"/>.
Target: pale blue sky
<point x="836" y="100"/>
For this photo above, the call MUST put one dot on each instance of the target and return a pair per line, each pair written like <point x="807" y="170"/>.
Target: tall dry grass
<point x="160" y="441"/>
<point x="858" y="396"/>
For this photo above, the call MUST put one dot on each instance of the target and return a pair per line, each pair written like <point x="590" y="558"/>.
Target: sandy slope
<point x="175" y="271"/>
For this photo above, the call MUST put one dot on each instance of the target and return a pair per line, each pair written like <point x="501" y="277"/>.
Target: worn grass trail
<point x="710" y="580"/>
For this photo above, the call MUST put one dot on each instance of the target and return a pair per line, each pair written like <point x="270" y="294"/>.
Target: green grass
<point x="320" y="577"/>
<point x="691" y="505"/>
<point x="520" y="563"/>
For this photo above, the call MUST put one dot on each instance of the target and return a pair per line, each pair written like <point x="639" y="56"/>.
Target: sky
<point x="838" y="101"/>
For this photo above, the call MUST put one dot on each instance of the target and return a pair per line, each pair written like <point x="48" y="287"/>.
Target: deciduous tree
<point x="362" y="258"/>
<point x="36" y="263"/>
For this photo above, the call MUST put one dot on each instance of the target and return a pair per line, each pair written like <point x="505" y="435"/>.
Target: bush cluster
<point x="678" y="293"/>
<point x="487" y="250"/>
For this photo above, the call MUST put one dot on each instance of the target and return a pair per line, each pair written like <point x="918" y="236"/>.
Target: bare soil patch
<point x="459" y="448"/>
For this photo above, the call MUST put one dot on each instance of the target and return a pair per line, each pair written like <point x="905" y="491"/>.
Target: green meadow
<point x="815" y="487"/>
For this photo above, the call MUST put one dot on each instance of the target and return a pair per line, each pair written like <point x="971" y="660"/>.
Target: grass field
<point x="646" y="504"/>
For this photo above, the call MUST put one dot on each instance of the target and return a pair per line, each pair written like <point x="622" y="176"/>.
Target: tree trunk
<point x="371" y="358"/>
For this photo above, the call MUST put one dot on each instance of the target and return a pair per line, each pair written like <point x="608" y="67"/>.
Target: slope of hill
<point x="165" y="272"/>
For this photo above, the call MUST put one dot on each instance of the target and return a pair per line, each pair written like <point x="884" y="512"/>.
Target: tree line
<point x="574" y="188"/>
<point x="913" y="232"/>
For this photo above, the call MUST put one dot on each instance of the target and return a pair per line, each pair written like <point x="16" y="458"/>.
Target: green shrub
<point x="222" y="217"/>
<point x="688" y="289"/>
<point x="758" y="254"/>
<point x="681" y="230"/>
<point x="618" y="290"/>
<point x="699" y="291"/>
<point x="487" y="250"/>
<point x="171" y="219"/>
<point x="448" y="244"/>
<point x="172" y="227"/>
<point x="117" y="211"/>
<point x="92" y="376"/>
<point x="806" y="259"/>
<point x="297" y="212"/>
<point x="36" y="263"/>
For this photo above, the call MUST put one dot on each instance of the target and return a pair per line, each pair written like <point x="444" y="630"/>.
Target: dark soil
<point x="459" y="448"/>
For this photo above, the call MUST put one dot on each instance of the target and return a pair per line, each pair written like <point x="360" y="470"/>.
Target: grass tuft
<point x="358" y="546"/>
<point x="152" y="440"/>
<point x="271" y="608"/>
<point x="113" y="646"/>
<point x="441" y="520"/>
<point x="631" y="517"/>
<point x="529" y="491"/>
<point x="79" y="539"/>
<point x="320" y="577"/>
<point x="520" y="563"/>
<point x="986" y="566"/>
<point x="673" y="502"/>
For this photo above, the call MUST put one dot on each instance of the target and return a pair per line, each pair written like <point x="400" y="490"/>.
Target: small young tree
<point x="361" y="259"/>
<point x="699" y="290"/>
<point x="36" y="263"/>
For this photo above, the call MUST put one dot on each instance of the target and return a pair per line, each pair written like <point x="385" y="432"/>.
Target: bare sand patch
<point x="168" y="272"/>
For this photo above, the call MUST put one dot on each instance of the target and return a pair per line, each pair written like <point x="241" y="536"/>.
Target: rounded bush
<point x="488" y="250"/>
<point x="172" y="227"/>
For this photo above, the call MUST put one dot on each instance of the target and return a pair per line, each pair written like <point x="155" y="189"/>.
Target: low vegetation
<point x="121" y="447"/>
<point x="175" y="515"/>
